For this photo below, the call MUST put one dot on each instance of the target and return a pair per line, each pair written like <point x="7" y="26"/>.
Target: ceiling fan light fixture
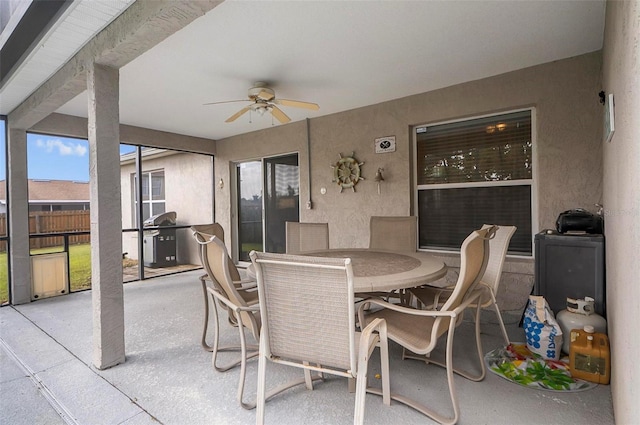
<point x="263" y="100"/>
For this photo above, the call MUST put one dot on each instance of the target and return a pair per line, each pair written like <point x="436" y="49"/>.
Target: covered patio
<point x="139" y="344"/>
<point x="47" y="376"/>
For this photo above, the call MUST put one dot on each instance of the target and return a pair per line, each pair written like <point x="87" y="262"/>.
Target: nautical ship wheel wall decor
<point x="346" y="172"/>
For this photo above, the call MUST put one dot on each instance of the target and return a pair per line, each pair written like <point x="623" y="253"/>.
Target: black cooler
<point x="570" y="265"/>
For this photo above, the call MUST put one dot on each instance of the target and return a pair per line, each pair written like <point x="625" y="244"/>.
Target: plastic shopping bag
<point x="543" y="333"/>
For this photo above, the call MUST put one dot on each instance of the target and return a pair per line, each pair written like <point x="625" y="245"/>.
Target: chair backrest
<point x="393" y="233"/>
<point x="474" y="255"/>
<point x="307" y="308"/>
<point x="305" y="237"/>
<point x="202" y="233"/>
<point x="497" y="253"/>
<point x="215" y="261"/>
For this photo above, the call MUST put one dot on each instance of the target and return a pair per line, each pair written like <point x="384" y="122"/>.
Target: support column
<point x="106" y="216"/>
<point x="18" y="214"/>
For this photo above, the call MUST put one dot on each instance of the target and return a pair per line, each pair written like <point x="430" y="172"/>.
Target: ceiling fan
<point x="264" y="100"/>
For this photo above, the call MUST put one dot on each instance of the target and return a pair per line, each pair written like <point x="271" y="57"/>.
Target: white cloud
<point x="63" y="148"/>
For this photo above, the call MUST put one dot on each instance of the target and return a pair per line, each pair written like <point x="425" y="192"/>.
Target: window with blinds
<point x="474" y="172"/>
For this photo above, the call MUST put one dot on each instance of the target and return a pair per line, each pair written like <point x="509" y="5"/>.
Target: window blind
<point x="487" y="149"/>
<point x="447" y="216"/>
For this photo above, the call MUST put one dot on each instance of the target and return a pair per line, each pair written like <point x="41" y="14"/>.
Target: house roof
<point x="53" y="190"/>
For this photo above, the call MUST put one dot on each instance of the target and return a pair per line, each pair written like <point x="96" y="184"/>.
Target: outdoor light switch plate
<point x="609" y="121"/>
<point x="385" y="144"/>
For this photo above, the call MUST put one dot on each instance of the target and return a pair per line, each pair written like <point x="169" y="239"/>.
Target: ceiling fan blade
<point x="266" y="95"/>
<point x="297" y="104"/>
<point x="226" y="101"/>
<point x="280" y="116"/>
<point x="237" y="114"/>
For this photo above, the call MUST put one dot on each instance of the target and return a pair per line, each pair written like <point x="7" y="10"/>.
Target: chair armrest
<point x="236" y="308"/>
<point x="407" y="310"/>
<point x="378" y="324"/>
<point x="430" y="295"/>
<point x="368" y="340"/>
<point x="245" y="284"/>
<point x="473" y="298"/>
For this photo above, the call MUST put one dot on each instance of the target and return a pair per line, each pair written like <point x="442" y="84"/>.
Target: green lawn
<point x="79" y="268"/>
<point x="248" y="246"/>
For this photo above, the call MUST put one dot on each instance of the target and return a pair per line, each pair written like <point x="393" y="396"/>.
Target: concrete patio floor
<point x="46" y="375"/>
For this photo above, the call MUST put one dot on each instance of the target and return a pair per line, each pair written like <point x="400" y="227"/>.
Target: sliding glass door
<point x="261" y="219"/>
<point x="249" y="203"/>
<point x="282" y="199"/>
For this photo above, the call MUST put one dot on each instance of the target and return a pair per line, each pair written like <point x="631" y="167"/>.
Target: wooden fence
<point x="52" y="222"/>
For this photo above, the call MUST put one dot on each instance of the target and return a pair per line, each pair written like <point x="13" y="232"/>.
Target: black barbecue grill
<point x="160" y="240"/>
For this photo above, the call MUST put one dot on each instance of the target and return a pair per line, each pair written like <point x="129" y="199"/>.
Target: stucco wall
<point x="188" y="192"/>
<point x="568" y="153"/>
<point x="621" y="76"/>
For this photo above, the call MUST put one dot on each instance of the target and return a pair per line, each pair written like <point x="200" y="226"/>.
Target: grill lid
<point x="163" y="219"/>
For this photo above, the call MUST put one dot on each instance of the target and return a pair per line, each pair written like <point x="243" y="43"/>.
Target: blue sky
<point x="55" y="158"/>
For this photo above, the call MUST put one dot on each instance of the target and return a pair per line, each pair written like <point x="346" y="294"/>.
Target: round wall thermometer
<point x="346" y="172"/>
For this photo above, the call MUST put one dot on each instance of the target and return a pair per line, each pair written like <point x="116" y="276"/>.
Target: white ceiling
<point x="81" y="21"/>
<point x="341" y="55"/>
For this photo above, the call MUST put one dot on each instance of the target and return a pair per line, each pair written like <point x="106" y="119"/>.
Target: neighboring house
<point x="52" y="195"/>
<point x="164" y="173"/>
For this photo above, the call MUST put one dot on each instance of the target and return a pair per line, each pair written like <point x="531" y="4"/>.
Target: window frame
<point x="148" y="175"/>
<point x="533" y="182"/>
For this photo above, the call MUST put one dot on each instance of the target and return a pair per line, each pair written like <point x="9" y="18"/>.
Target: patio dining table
<point x="383" y="271"/>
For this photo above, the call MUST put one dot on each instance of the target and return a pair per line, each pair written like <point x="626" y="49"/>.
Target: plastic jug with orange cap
<point x="589" y="355"/>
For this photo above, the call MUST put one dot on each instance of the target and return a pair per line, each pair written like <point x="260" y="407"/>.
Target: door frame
<point x="235" y="223"/>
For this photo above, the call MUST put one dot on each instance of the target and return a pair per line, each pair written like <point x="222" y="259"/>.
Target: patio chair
<point x="419" y="330"/>
<point x="308" y="321"/>
<point x="490" y="281"/>
<point x="305" y="237"/>
<point x="240" y="307"/>
<point x="202" y="233"/>
<point x="393" y="233"/>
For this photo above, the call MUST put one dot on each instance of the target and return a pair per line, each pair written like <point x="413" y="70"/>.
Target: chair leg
<point x="479" y="349"/>
<point x="383" y="343"/>
<point x="448" y="365"/>
<point x="451" y="382"/>
<point x="243" y="372"/>
<point x="205" y="326"/>
<point x="379" y="340"/>
<point x="216" y="342"/>
<point x="215" y="348"/>
<point x="308" y="382"/>
<point x="500" y="321"/>
<point x="464" y="373"/>
<point x="243" y="368"/>
<point x="361" y="387"/>
<point x="452" y="394"/>
<point x="244" y="356"/>
<point x="262" y="371"/>
<point x="262" y="394"/>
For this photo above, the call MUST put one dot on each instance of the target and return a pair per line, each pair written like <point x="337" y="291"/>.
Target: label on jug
<point x="590" y="364"/>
